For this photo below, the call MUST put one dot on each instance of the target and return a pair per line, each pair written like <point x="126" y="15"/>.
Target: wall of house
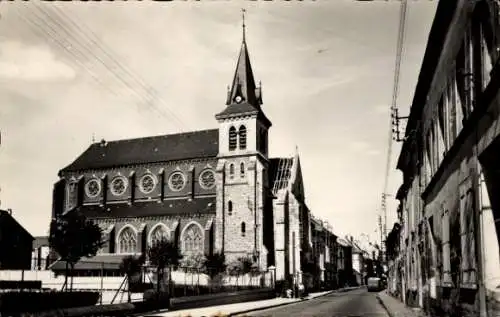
<point x="450" y="235"/>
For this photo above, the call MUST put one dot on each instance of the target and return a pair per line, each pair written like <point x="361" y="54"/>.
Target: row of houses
<point x="443" y="253"/>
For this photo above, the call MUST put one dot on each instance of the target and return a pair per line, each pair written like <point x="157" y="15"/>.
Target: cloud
<point x="31" y="63"/>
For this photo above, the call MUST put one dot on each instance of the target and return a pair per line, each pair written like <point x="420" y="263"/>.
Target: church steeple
<point x="243" y="88"/>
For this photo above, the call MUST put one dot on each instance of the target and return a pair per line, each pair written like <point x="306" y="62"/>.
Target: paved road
<point x="357" y="303"/>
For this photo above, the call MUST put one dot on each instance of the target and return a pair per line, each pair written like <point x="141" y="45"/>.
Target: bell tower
<point x="243" y="166"/>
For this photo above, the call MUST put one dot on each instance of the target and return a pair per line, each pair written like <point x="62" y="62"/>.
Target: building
<point x="210" y="191"/>
<point x="15" y="242"/>
<point x="449" y="237"/>
<point x="40" y="254"/>
<point x="358" y="262"/>
<point x="344" y="263"/>
<point x="323" y="254"/>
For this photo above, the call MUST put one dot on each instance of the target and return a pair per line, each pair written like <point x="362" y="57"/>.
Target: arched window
<point x="232" y="138"/>
<point x="243" y="137"/>
<point x="229" y="207"/>
<point x="231" y="170"/>
<point x="159" y="233"/>
<point x="127" y="241"/>
<point x="242" y="169"/>
<point x="192" y="239"/>
<point x="243" y="229"/>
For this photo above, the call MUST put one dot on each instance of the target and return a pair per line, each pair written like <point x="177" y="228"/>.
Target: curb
<point x="291" y="303"/>
<point x="384" y="306"/>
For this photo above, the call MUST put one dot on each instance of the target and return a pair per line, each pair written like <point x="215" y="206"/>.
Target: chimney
<point x="9" y="210"/>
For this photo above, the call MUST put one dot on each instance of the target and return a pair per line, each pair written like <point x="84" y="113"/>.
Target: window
<point x="231" y="170"/>
<point x="242" y="169"/>
<point x="207" y="179"/>
<point x="232" y="139"/>
<point x="230" y="207"/>
<point x="127" y="241"/>
<point x="177" y="181"/>
<point x="243" y="229"/>
<point x="243" y="137"/>
<point x="119" y="185"/>
<point x="93" y="188"/>
<point x="147" y="183"/>
<point x="159" y="233"/>
<point x="72" y="196"/>
<point x="193" y="239"/>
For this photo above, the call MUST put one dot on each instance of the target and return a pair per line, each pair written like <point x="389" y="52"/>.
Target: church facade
<point x="209" y="191"/>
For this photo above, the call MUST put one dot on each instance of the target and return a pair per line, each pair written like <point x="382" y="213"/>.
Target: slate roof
<point x="174" y="207"/>
<point x="280" y="172"/>
<point x="164" y="148"/>
<point x="6" y="219"/>
<point x="104" y="261"/>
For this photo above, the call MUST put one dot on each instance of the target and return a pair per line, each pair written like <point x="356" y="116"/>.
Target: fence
<point x="113" y="286"/>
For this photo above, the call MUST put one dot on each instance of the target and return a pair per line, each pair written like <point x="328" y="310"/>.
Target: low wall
<point x="221" y="298"/>
<point x="175" y="304"/>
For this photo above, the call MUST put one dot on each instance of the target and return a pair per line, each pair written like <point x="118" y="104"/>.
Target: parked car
<point x="374" y="284"/>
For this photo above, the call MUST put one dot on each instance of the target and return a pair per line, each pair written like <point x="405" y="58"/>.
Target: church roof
<point x="280" y="173"/>
<point x="163" y="148"/>
<point x="205" y="205"/>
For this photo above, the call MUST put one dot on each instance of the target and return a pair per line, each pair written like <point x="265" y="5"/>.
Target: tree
<point x="215" y="264"/>
<point x="164" y="254"/>
<point x="131" y="266"/>
<point x="73" y="236"/>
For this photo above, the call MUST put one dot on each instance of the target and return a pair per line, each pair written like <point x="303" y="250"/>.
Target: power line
<point x="395" y="94"/>
<point x="77" y="52"/>
<point x="96" y="42"/>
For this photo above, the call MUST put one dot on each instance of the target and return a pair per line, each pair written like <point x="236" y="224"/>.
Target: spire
<point x="243" y="18"/>
<point x="243" y="85"/>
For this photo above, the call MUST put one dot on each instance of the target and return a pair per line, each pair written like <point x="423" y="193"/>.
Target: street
<point x="357" y="303"/>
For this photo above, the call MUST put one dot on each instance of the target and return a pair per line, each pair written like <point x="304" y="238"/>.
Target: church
<point x="209" y="191"/>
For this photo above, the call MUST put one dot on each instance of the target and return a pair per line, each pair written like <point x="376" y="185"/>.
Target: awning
<point x="99" y="262"/>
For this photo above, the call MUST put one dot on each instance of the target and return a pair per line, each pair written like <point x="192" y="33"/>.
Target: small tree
<point x="193" y="261"/>
<point x="164" y="254"/>
<point x="73" y="236"/>
<point x="215" y="264"/>
<point x="131" y="266"/>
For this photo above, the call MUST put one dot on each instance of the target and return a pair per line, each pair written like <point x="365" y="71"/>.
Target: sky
<point x="71" y="72"/>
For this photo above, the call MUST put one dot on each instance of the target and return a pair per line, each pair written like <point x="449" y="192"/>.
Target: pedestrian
<point x="301" y="290"/>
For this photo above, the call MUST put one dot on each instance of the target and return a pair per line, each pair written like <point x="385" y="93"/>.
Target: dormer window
<point x="243" y="137"/>
<point x="232" y="139"/>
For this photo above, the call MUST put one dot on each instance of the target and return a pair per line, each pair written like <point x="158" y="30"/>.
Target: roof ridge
<point x="157" y="136"/>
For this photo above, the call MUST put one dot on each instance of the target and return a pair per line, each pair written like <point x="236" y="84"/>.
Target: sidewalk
<point x="396" y="308"/>
<point x="240" y="308"/>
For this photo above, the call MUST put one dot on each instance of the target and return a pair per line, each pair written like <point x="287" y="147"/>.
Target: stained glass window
<point x="127" y="241"/>
<point x="93" y="188"/>
<point x="193" y="239"/>
<point x="207" y="179"/>
<point x="159" y="233"/>
<point x="177" y="181"/>
<point x="118" y="185"/>
<point x="147" y="183"/>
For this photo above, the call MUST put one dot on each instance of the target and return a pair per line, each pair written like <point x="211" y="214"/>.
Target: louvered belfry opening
<point x="232" y="139"/>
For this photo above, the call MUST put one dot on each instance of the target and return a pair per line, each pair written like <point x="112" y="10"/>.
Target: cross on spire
<point x="243" y="11"/>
